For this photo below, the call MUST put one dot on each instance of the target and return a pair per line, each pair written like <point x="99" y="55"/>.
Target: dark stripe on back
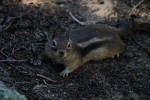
<point x="92" y="46"/>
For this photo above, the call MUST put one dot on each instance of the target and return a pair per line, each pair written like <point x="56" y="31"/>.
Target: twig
<point x="31" y="74"/>
<point x="13" y="60"/>
<point x="1" y="51"/>
<point x="74" y="18"/>
<point x="7" y="23"/>
<point x="135" y="7"/>
<point x="46" y="36"/>
<point x="45" y="78"/>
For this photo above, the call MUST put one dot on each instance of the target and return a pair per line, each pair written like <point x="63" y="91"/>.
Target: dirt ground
<point x="23" y="66"/>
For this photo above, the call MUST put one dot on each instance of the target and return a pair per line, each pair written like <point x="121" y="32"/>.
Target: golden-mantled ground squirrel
<point x="89" y="43"/>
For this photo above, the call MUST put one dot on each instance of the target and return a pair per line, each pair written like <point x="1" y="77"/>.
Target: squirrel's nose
<point x="61" y="52"/>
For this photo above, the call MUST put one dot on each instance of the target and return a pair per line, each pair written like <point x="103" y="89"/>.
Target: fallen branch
<point x="47" y="36"/>
<point x="80" y="22"/>
<point x="74" y="18"/>
<point x="31" y="74"/>
<point x="135" y="7"/>
<point x="44" y="77"/>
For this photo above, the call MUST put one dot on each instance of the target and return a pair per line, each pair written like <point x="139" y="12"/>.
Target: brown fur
<point x="98" y="45"/>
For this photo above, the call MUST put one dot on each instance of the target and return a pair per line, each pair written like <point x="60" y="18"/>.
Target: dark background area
<point x="23" y="66"/>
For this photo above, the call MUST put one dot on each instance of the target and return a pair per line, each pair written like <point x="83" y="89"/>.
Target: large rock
<point x="8" y="94"/>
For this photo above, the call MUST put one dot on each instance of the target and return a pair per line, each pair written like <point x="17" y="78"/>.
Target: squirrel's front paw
<point x="65" y="72"/>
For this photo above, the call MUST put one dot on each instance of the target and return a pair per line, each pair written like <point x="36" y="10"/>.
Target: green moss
<point x="7" y="94"/>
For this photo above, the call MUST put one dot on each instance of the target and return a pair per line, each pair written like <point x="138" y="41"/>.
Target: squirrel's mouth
<point x="61" y="56"/>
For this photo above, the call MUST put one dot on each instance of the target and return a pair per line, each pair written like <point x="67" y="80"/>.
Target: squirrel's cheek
<point x="67" y="50"/>
<point x="57" y="54"/>
<point x="65" y="55"/>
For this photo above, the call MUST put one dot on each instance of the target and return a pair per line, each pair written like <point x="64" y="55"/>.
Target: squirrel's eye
<point x="69" y="45"/>
<point x="53" y="43"/>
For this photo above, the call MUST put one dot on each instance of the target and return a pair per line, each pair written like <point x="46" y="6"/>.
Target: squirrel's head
<point x="60" y="45"/>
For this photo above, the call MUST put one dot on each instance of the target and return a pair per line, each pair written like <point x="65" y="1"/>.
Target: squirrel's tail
<point x="125" y="27"/>
<point x="131" y="25"/>
<point x="140" y="26"/>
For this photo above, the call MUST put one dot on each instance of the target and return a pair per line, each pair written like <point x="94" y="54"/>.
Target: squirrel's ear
<point x="54" y="34"/>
